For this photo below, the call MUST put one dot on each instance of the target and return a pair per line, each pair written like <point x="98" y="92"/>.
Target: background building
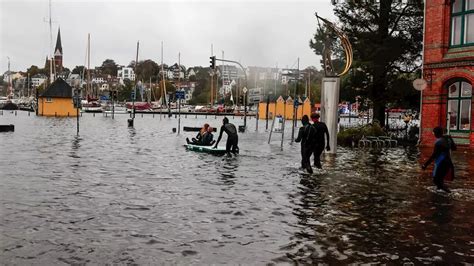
<point x="448" y="68"/>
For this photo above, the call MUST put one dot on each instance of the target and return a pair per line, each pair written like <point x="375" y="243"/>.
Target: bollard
<point x="142" y="114"/>
<point x="54" y="114"/>
<point x="93" y="114"/>
<point x="196" y="116"/>
<point x="206" y="116"/>
<point x="130" y="122"/>
<point x="81" y="114"/>
<point x="105" y="114"/>
<point x="153" y="115"/>
<point x="15" y="113"/>
<point x="67" y="114"/>
<point x="185" y="116"/>
<point x="2" y="112"/>
<point x="174" y="130"/>
<point x="28" y="113"/>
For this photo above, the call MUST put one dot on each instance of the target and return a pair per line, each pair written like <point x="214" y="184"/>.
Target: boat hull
<point x="205" y="149"/>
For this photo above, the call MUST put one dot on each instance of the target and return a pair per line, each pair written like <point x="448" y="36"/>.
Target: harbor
<point x="136" y="196"/>
<point x="318" y="132"/>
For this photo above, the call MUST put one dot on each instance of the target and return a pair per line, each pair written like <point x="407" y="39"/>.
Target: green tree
<point x="79" y="70"/>
<point x="201" y="94"/>
<point x="109" y="67"/>
<point x="147" y="69"/>
<point x="33" y="70"/>
<point x="386" y="38"/>
<point x="125" y="92"/>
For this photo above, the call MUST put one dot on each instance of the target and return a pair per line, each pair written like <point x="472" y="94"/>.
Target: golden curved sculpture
<point x="346" y="45"/>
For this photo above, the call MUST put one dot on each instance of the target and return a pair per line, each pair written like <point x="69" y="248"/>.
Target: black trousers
<point x="232" y="145"/>
<point x="317" y="151"/>
<point x="441" y="172"/>
<point x="305" y="156"/>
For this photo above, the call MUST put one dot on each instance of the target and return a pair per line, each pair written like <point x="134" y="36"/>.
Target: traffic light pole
<point x="245" y="92"/>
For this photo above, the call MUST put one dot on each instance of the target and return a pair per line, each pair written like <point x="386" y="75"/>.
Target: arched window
<point x="462" y="23"/>
<point x="459" y="105"/>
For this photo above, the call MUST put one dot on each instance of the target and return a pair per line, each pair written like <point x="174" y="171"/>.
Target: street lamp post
<point x="245" y="107"/>
<point x="77" y="105"/>
<point x="266" y="111"/>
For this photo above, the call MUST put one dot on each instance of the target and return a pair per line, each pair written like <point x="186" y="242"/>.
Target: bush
<point x="345" y="137"/>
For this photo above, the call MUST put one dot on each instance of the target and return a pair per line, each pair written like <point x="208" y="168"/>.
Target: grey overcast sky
<point x="256" y="33"/>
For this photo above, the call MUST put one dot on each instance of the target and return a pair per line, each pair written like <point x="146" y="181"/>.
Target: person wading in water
<point x="232" y="137"/>
<point x="321" y="130"/>
<point x="443" y="168"/>
<point x="306" y="135"/>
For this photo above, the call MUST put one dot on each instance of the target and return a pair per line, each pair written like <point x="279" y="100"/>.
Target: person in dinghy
<point x="204" y="138"/>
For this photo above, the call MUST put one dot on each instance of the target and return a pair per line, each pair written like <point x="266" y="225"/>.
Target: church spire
<point x="59" y="47"/>
<point x="58" y="55"/>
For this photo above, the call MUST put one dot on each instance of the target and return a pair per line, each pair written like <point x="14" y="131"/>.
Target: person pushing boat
<point x="232" y="137"/>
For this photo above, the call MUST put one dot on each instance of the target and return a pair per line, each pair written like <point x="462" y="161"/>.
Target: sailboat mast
<point x="136" y="63"/>
<point x="179" y="71"/>
<point x="164" y="83"/>
<point x="88" y="88"/>
<point x="212" y="78"/>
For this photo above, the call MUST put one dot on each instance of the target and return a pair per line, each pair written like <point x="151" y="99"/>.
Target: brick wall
<point x="445" y="64"/>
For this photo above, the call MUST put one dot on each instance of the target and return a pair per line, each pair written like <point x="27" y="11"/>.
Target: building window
<point x="459" y="105"/>
<point x="462" y="22"/>
<point x="49" y="99"/>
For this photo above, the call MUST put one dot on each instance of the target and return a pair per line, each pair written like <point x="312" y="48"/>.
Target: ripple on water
<point x="115" y="195"/>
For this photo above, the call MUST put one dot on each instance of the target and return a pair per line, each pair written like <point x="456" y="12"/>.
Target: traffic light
<point x="212" y="61"/>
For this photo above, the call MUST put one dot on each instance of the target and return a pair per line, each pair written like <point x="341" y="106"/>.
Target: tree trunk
<point x="379" y="112"/>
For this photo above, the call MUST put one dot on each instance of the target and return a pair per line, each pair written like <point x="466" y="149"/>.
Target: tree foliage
<point x="33" y="70"/>
<point x="79" y="70"/>
<point x="387" y="39"/>
<point x="147" y="69"/>
<point x="109" y="67"/>
<point x="201" y="94"/>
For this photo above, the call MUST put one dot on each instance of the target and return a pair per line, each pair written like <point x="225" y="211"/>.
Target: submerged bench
<point x="7" y="128"/>
<point x="378" y="142"/>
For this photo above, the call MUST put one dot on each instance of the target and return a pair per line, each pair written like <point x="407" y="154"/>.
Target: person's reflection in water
<point x="442" y="209"/>
<point x="309" y="205"/>
<point x="227" y="171"/>
<point x="131" y="134"/>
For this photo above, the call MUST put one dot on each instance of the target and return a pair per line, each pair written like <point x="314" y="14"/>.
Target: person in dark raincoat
<point x="306" y="135"/>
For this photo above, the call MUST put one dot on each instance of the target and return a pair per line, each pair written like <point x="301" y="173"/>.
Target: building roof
<point x="58" y="89"/>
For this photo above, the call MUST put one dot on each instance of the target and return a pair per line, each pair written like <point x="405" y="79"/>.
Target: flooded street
<point x="119" y="195"/>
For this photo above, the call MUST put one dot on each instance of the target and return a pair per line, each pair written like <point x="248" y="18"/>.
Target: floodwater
<point x="114" y="195"/>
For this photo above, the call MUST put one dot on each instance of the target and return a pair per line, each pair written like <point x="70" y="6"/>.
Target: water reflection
<point x="441" y="208"/>
<point x="227" y="170"/>
<point x="135" y="195"/>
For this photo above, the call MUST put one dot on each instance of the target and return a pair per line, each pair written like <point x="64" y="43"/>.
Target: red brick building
<point x="449" y="69"/>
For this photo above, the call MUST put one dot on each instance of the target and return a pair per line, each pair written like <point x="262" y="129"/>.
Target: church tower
<point x="58" y="54"/>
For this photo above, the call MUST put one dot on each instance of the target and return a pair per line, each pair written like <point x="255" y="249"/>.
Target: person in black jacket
<point x="232" y="137"/>
<point x="321" y="131"/>
<point x="306" y="135"/>
<point x="444" y="168"/>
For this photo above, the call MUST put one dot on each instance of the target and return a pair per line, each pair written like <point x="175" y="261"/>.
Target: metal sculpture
<point x="331" y="81"/>
<point x="327" y="52"/>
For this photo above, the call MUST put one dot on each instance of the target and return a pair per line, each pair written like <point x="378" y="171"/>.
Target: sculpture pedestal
<point x="329" y="108"/>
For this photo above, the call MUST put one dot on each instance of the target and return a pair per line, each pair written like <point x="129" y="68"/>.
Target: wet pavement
<point x="117" y="195"/>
